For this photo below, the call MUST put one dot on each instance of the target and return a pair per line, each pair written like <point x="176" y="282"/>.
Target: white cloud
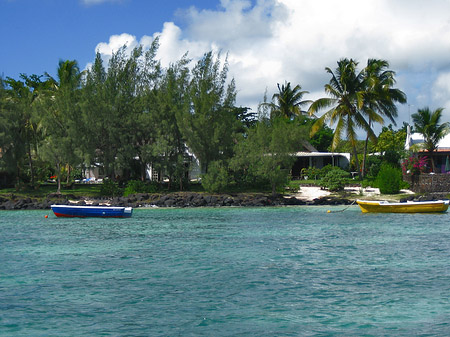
<point x="271" y="41"/>
<point x="441" y="93"/>
<point x="115" y="43"/>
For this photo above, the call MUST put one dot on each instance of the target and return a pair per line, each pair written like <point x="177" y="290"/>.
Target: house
<point x="441" y="156"/>
<point x="310" y="157"/>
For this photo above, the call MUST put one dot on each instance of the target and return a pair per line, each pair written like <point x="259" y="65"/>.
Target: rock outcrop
<point x="182" y="199"/>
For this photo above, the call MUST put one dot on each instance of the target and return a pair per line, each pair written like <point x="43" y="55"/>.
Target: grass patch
<point x="78" y="190"/>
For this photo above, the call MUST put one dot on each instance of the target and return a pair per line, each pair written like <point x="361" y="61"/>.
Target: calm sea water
<point x="295" y="271"/>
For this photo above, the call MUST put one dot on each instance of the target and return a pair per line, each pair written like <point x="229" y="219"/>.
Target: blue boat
<point x="68" y="211"/>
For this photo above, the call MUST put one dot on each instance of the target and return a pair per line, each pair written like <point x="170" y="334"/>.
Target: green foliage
<point x="358" y="98"/>
<point x="373" y="165"/>
<point x="389" y="179"/>
<point x="428" y="123"/>
<point x="311" y="172"/>
<point x="110" y="188"/>
<point x="390" y="140"/>
<point x="335" y="179"/>
<point x="391" y="143"/>
<point x="325" y="170"/>
<point x="139" y="186"/>
<point x="266" y="152"/>
<point x="287" y="103"/>
<point x="210" y="124"/>
<point x="217" y="178"/>
<point x="322" y="139"/>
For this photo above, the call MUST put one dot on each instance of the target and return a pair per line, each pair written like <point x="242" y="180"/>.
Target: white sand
<point x="308" y="193"/>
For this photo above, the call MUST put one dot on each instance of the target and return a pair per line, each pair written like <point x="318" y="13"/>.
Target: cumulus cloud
<point x="272" y="41"/>
<point x="441" y="91"/>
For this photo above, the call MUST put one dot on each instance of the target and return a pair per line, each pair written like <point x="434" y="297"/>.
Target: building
<point x="313" y="158"/>
<point x="441" y="157"/>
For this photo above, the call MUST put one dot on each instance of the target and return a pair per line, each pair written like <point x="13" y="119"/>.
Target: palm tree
<point x="428" y="124"/>
<point x="345" y="88"/>
<point x="379" y="98"/>
<point x="287" y="102"/>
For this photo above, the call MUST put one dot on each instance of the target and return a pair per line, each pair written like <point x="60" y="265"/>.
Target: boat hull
<point x="403" y="207"/>
<point x="67" y="211"/>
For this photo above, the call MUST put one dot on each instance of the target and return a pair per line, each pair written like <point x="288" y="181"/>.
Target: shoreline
<point x="306" y="196"/>
<point x="177" y="199"/>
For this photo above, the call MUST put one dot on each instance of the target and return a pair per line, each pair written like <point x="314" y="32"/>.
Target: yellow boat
<point x="368" y="206"/>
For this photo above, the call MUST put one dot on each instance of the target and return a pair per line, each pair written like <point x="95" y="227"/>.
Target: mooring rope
<point x="341" y="210"/>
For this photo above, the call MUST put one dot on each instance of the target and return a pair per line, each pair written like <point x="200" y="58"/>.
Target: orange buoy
<point x="46" y="216"/>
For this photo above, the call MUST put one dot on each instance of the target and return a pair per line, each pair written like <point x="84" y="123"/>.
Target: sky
<point x="267" y="41"/>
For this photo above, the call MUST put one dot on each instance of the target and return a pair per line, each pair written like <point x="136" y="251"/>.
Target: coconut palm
<point x="345" y="88"/>
<point x="287" y="102"/>
<point x="427" y="123"/>
<point x="379" y="96"/>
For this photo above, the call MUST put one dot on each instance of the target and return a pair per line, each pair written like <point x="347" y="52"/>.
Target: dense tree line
<point x="132" y="113"/>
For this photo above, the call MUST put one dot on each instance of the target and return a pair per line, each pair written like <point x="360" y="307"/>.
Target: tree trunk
<point x="433" y="167"/>
<point x="30" y="162"/>
<point x="357" y="162"/>
<point x="17" y="177"/>
<point x="58" y="177"/>
<point x="68" y="174"/>
<point x="363" y="168"/>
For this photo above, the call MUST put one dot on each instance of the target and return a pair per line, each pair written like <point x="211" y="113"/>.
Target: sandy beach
<point x="309" y="193"/>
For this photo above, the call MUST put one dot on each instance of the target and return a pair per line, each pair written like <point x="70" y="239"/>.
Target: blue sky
<point x="267" y="41"/>
<point x="36" y="34"/>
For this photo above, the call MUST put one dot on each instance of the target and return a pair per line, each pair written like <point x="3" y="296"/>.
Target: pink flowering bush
<point x="414" y="165"/>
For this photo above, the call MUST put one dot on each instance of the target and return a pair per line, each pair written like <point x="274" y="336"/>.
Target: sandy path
<point x="308" y="193"/>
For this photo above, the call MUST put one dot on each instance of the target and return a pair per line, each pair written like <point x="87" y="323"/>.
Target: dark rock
<point x="55" y="195"/>
<point x="199" y="201"/>
<point x="9" y="205"/>
<point x="169" y="203"/>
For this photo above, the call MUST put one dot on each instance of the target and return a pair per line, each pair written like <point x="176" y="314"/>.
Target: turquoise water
<point x="294" y="271"/>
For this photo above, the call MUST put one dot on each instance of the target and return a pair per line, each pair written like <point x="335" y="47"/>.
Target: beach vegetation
<point x="379" y="97"/>
<point x="139" y="186"/>
<point x="335" y="179"/>
<point x="110" y="188"/>
<point x="267" y="151"/>
<point x="287" y="102"/>
<point x="357" y="99"/>
<point x="389" y="179"/>
<point x="428" y="123"/>
<point x="130" y="114"/>
<point x="217" y="179"/>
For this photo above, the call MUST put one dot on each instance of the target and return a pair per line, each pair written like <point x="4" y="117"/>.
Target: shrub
<point x="311" y="173"/>
<point x="110" y="188"/>
<point x="217" y="179"/>
<point x="373" y="165"/>
<point x="335" y="179"/>
<point x="139" y="186"/>
<point x="325" y="170"/>
<point x="414" y="165"/>
<point x="389" y="179"/>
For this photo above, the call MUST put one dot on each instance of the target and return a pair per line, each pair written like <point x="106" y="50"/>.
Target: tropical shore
<point x="307" y="195"/>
